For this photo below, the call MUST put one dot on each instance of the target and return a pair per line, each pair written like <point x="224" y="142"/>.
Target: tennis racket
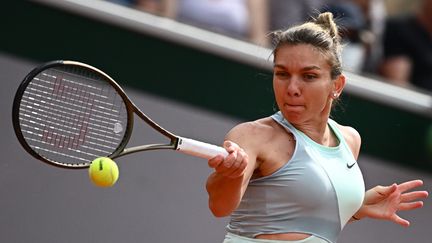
<point x="67" y="113"/>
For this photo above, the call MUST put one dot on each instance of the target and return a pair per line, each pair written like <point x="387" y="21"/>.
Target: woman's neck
<point x="319" y="132"/>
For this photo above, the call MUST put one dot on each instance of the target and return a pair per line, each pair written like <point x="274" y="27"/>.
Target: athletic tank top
<point x="316" y="192"/>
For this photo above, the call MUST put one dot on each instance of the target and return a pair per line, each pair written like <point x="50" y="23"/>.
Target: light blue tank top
<point x="316" y="192"/>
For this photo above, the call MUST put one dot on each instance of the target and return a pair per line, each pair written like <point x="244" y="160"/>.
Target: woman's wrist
<point x="360" y="214"/>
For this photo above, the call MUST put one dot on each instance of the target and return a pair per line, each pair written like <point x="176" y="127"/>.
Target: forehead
<point x="300" y="55"/>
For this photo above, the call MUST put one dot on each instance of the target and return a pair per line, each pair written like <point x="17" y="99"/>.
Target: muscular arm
<point x="227" y="184"/>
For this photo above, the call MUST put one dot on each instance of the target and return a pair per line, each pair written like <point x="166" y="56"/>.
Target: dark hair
<point x="322" y="33"/>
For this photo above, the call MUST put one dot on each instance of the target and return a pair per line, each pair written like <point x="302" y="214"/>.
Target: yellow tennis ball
<point x="103" y="172"/>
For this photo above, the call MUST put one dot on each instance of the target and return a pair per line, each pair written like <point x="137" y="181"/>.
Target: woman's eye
<point x="309" y="76"/>
<point x="281" y="74"/>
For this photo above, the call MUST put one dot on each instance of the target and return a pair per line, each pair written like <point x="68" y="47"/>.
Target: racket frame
<point x="184" y="145"/>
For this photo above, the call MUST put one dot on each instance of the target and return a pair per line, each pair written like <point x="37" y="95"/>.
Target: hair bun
<point x="326" y="21"/>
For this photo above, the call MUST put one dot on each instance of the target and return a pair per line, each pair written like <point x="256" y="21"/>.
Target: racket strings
<point x="76" y="150"/>
<point x="72" y="116"/>
<point x="99" y="130"/>
<point x="61" y="115"/>
<point x="62" y="140"/>
<point x="78" y="103"/>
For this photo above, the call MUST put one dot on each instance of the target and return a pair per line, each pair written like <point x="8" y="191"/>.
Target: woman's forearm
<point x="224" y="194"/>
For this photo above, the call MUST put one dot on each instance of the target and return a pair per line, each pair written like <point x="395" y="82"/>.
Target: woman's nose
<point x="293" y="87"/>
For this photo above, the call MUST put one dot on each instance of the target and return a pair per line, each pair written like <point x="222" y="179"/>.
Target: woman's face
<point x="302" y="83"/>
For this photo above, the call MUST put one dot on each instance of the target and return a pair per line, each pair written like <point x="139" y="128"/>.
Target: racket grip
<point x="199" y="149"/>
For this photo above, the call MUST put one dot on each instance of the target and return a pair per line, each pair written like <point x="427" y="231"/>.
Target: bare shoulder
<point x="352" y="137"/>
<point x="267" y="143"/>
<point x="248" y="131"/>
<point x="255" y="136"/>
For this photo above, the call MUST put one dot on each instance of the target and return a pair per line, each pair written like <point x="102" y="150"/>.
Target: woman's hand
<point x="233" y="165"/>
<point x="383" y="202"/>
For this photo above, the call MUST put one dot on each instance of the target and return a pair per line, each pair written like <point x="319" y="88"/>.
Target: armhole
<point x="334" y="126"/>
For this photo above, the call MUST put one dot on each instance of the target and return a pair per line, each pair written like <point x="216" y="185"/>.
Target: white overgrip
<point x="199" y="149"/>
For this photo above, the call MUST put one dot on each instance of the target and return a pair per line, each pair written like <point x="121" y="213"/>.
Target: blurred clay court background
<point x="190" y="81"/>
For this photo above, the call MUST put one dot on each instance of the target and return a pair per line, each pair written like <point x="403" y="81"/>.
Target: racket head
<point x="68" y="113"/>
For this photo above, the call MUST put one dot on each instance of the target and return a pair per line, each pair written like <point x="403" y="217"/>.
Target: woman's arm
<point x="227" y="184"/>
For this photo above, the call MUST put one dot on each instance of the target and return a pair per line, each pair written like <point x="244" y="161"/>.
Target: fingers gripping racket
<point x="67" y="113"/>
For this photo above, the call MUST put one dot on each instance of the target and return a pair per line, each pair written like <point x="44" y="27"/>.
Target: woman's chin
<point x="293" y="109"/>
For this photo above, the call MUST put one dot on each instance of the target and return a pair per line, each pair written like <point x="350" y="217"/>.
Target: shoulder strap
<point x="278" y="117"/>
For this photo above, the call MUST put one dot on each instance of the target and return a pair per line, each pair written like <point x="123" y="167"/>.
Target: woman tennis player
<point x="293" y="176"/>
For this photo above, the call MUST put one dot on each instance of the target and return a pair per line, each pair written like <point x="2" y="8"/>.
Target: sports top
<point x="316" y="192"/>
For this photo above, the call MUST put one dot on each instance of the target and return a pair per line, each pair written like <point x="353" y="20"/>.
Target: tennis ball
<point x="103" y="172"/>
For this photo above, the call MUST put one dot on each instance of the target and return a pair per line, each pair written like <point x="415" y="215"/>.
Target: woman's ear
<point x="338" y="86"/>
